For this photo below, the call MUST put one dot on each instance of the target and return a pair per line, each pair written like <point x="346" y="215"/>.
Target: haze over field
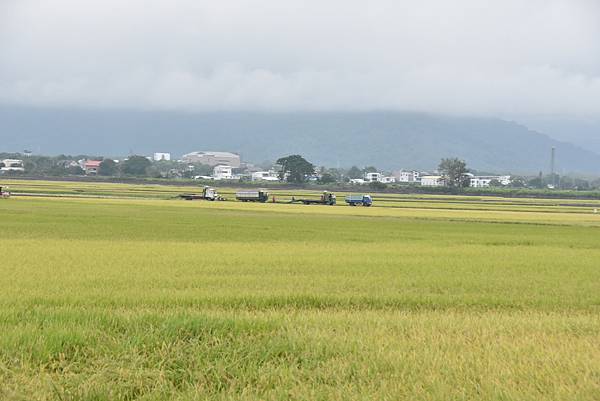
<point x="536" y="62"/>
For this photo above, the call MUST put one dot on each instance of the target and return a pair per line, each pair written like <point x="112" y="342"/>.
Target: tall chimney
<point x="552" y="160"/>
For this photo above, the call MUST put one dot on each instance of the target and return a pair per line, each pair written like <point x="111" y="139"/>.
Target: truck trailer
<point x="327" y="198"/>
<point x="363" y="200"/>
<point x="208" y="193"/>
<point x="260" y="195"/>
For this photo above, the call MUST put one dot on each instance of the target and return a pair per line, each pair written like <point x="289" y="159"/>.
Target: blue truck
<point x="363" y="200"/>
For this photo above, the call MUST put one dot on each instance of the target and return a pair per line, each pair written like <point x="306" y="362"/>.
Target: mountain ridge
<point x="386" y="139"/>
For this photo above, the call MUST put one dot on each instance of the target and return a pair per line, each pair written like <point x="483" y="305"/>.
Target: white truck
<point x="208" y="193"/>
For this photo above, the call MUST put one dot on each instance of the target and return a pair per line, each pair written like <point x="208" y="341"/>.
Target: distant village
<point x="224" y="166"/>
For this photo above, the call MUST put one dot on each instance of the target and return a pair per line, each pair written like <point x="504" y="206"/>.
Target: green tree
<point x="108" y="167"/>
<point x="377" y="186"/>
<point x="136" y="165"/>
<point x="354" y="172"/>
<point x="536" y="182"/>
<point x="75" y="170"/>
<point x="454" y="171"/>
<point x="370" y="169"/>
<point x="495" y="183"/>
<point x="154" y="172"/>
<point x="581" y="184"/>
<point x="295" y="168"/>
<point x="193" y="170"/>
<point x="327" y="178"/>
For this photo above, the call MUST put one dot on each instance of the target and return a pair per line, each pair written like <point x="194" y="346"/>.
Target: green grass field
<point x="416" y="298"/>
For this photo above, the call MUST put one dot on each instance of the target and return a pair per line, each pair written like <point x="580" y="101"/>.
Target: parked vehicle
<point x="363" y="200"/>
<point x="208" y="193"/>
<point x="260" y="195"/>
<point x="4" y="192"/>
<point x="327" y="198"/>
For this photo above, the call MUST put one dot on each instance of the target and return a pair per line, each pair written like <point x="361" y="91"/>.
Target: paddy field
<point x="122" y="292"/>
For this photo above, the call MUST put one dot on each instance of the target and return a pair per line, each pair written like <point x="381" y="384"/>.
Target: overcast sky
<point x="504" y="58"/>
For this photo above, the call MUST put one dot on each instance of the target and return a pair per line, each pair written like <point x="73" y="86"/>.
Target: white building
<point x="372" y="177"/>
<point x="432" y="181"/>
<point x="505" y="179"/>
<point x="483" y="181"/>
<point x="223" y="173"/>
<point x="158" y="156"/>
<point x="357" y="181"/>
<point x="265" y="176"/>
<point x="212" y="159"/>
<point x="12" y="165"/>
<point x="378" y="177"/>
<point x="407" y="176"/>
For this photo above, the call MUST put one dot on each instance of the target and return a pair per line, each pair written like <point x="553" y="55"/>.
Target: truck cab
<point x="367" y="200"/>
<point x="328" y="198"/>
<point x="209" y="193"/>
<point x="364" y="200"/>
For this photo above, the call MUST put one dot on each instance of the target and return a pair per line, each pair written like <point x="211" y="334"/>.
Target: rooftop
<point x="212" y="153"/>
<point x="93" y="163"/>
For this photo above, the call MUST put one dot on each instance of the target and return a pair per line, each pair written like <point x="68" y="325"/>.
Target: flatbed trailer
<point x="208" y="193"/>
<point x="327" y="198"/>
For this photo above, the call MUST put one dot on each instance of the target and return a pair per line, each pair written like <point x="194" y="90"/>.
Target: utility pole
<point x="552" y="167"/>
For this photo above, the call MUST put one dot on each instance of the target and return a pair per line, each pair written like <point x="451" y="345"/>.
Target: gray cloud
<point x="502" y="58"/>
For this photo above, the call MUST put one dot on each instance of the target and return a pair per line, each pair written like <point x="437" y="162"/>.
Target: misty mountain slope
<point x="584" y="132"/>
<point x="387" y="140"/>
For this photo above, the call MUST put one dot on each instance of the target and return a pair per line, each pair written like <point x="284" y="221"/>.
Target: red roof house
<point x="91" y="166"/>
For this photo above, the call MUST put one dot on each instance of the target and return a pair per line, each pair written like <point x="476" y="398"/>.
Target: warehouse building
<point x="211" y="158"/>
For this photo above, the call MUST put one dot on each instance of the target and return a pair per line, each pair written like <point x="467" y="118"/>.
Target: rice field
<point x="123" y="293"/>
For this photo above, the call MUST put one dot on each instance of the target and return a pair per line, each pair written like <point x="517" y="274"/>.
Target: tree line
<point x="294" y="169"/>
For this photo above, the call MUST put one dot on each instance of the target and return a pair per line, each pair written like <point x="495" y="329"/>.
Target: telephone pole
<point x="552" y="167"/>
